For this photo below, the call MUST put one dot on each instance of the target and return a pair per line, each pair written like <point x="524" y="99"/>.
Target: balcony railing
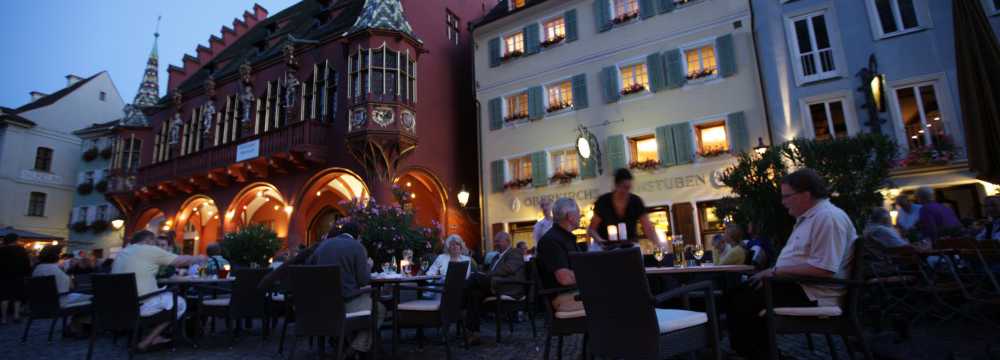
<point x="297" y="136"/>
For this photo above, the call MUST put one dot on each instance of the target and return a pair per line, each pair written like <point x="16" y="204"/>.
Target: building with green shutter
<point x="668" y="88"/>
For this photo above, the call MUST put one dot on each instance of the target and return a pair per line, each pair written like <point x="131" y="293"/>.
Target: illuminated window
<point x="828" y="120"/>
<point x="634" y="78"/>
<point x="520" y="168"/>
<point x="560" y="96"/>
<point x="514" y="44"/>
<point x="712" y="139"/>
<point x="555" y="30"/>
<point x="564" y="161"/>
<point x="921" y="115"/>
<point x="625" y="7"/>
<point x="643" y="149"/>
<point x="517" y="4"/>
<point x="517" y="106"/>
<point x="453" y="26"/>
<point x="701" y="62"/>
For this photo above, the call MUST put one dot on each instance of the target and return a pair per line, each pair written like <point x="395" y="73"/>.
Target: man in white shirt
<point x="143" y="258"/>
<point x="907" y="213"/>
<point x="820" y="246"/>
<point x="543" y="225"/>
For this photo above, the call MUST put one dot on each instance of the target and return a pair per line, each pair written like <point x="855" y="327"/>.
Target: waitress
<point x="620" y="206"/>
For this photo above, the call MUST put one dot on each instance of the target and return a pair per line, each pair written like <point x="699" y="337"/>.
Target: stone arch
<point x="431" y="196"/>
<point x="322" y="196"/>
<point x="151" y="219"/>
<point x="259" y="203"/>
<point x="199" y="223"/>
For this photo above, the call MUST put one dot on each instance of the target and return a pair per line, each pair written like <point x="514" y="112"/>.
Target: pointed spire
<point x="149" y="89"/>
<point x="383" y="15"/>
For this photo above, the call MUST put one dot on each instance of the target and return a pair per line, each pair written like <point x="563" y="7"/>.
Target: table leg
<point x="395" y="320"/>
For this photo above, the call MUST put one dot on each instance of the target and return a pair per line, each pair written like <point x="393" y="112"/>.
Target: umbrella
<point x="977" y="55"/>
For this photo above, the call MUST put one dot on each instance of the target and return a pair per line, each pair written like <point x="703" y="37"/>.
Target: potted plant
<point x="251" y="245"/>
<point x="79" y="226"/>
<point x="90" y="154"/>
<point x="625" y="17"/>
<point x="558" y="106"/>
<point x="85" y="188"/>
<point x="563" y="177"/>
<point x="106" y="152"/>
<point x="516" y="117"/>
<point x="713" y="152"/>
<point x="698" y="74"/>
<point x="99" y="226"/>
<point x="102" y="186"/>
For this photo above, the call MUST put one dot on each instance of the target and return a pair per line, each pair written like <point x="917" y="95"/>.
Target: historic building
<point x="569" y="91"/>
<point x="900" y="54"/>
<point x="39" y="154"/>
<point x="280" y="119"/>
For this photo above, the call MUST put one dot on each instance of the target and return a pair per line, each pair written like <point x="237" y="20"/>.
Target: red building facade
<point x="284" y="117"/>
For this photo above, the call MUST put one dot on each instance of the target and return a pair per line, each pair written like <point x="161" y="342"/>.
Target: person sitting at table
<point x="880" y="230"/>
<point x="761" y="250"/>
<point x="342" y="248"/>
<point x="620" y="206"/>
<point x="736" y="253"/>
<point x="820" y="246"/>
<point x="48" y="265"/>
<point x="491" y="255"/>
<point x="936" y="219"/>
<point x="509" y="265"/>
<point x="908" y="213"/>
<point x="991" y="226"/>
<point x="553" y="254"/>
<point x="455" y="251"/>
<point x="719" y="248"/>
<point x="215" y="259"/>
<point x="143" y="258"/>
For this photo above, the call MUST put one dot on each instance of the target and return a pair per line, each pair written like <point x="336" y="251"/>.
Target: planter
<point x="90" y="154"/>
<point x="515" y="117"/>
<point x="700" y="74"/>
<point x="624" y="18"/>
<point x="511" y="55"/>
<point x="713" y="153"/>
<point x="106" y="153"/>
<point x="563" y="177"/>
<point x="633" y="89"/>
<point x="98" y="226"/>
<point x="553" y="41"/>
<point x="101" y="186"/>
<point x="558" y="106"/>
<point x="85" y="188"/>
<point x="517" y="184"/>
<point x="79" y="226"/>
<point x="644" y="165"/>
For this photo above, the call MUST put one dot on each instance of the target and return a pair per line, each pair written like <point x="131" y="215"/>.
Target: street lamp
<point x="873" y="86"/>
<point x="463" y="197"/>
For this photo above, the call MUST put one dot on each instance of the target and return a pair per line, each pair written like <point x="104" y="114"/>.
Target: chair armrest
<point x="155" y="293"/>
<point x="705" y="286"/>
<point x="815" y="280"/>
<point x="557" y="290"/>
<point x="421" y="288"/>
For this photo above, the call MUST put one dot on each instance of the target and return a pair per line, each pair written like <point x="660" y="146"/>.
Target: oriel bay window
<point x="921" y="117"/>
<point x="565" y="166"/>
<point x="644" y="152"/>
<point x="700" y="62"/>
<point x="828" y="120"/>
<point x="560" y="96"/>
<point x="633" y="78"/>
<point x="383" y="73"/>
<point x="813" y="51"/>
<point x="711" y="138"/>
<point x="516" y="106"/>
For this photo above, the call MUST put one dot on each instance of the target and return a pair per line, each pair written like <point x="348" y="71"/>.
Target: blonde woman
<point x="455" y="251"/>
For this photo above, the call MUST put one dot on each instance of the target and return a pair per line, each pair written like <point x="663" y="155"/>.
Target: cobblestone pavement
<point x="931" y="341"/>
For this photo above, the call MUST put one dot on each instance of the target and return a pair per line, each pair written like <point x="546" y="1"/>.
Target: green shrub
<point x="251" y="245"/>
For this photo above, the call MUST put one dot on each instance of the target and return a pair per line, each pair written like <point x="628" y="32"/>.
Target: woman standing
<point x="620" y="206"/>
<point x="15" y="265"/>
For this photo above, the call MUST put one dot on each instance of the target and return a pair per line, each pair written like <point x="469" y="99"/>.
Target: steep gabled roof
<point x="56" y="96"/>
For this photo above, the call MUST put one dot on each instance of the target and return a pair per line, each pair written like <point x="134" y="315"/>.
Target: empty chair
<point x="319" y="307"/>
<point x="43" y="303"/>
<point x="246" y="301"/>
<point x="440" y="313"/>
<point x="614" y="291"/>
<point x="116" y="308"/>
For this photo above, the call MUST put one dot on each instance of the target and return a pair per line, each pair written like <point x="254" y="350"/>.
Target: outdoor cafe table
<point x="378" y="282"/>
<point x="724" y="277"/>
<point x="183" y="283"/>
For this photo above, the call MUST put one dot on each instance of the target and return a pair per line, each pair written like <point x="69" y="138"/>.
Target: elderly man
<point x="908" y="213"/>
<point x="819" y="246"/>
<point x="144" y="258"/>
<point x="553" y="254"/>
<point x="936" y="219"/>
<point x="543" y="225"/>
<point x="509" y="265"/>
<point x="991" y="229"/>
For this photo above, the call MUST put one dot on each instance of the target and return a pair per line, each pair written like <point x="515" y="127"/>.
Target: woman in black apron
<point x="620" y="206"/>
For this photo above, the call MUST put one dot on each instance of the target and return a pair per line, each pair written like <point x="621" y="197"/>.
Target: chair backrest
<point x="853" y="301"/>
<point x="454" y="289"/>
<point x="42" y="296"/>
<point x="615" y="291"/>
<point x="536" y="278"/>
<point x="247" y="300"/>
<point x="116" y="301"/>
<point x="318" y="300"/>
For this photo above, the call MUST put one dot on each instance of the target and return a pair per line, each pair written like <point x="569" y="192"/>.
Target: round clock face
<point x="358" y="119"/>
<point x="409" y="121"/>
<point x="383" y="117"/>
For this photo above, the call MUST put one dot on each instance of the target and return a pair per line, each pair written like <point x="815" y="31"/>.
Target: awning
<point x="25" y="235"/>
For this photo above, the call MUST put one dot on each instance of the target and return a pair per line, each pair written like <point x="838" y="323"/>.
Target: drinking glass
<point x="386" y="267"/>
<point x="678" y="250"/>
<point x="698" y="253"/>
<point x="658" y="255"/>
<point x="424" y="266"/>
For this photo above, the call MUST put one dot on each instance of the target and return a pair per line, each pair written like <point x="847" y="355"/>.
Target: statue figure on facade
<point x="291" y="85"/>
<point x="175" y="129"/>
<point x="208" y="117"/>
<point x="246" y="104"/>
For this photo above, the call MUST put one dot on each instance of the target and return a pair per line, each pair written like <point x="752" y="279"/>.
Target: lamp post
<point x="873" y="86"/>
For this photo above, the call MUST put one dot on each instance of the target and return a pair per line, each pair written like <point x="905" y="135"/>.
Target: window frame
<point x="875" y="20"/>
<point x="621" y="78"/>
<point x="547" y="101"/>
<point x="709" y="122"/>
<point x="952" y="127"/>
<point x="850" y="114"/>
<point x="509" y="162"/>
<point x="33" y="209"/>
<point x="632" y="140"/>
<point x="613" y="12"/>
<point x="505" y="52"/>
<point x="543" y="31"/>
<point x="453" y="26"/>
<point x="47" y="159"/>
<point x="833" y="34"/>
<point x="698" y="46"/>
<point x="565" y="150"/>
<point x="505" y="112"/>
<point x="103" y="96"/>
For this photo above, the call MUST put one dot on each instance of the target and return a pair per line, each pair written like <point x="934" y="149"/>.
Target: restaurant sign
<point x="248" y="150"/>
<point x="710" y="180"/>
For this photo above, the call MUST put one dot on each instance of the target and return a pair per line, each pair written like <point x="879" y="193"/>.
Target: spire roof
<point x="149" y="89"/>
<point x="382" y="15"/>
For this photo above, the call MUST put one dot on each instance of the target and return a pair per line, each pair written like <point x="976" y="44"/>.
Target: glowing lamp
<point x="117" y="223"/>
<point x="583" y="147"/>
<point x="463" y="197"/>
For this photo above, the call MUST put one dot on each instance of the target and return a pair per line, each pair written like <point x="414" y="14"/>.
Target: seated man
<point x="820" y="246"/>
<point x="343" y="249"/>
<point x="509" y="265"/>
<point x="736" y="253"/>
<point x="553" y="254"/>
<point x="215" y="259"/>
<point x="143" y="258"/>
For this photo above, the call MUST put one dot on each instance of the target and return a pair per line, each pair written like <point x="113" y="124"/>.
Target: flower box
<point x="941" y="152"/>
<point x="79" y="226"/>
<point x="563" y="177"/>
<point x="515" y="117"/>
<point x="517" y="184"/>
<point x="644" y="165"/>
<point x="632" y="89"/>
<point x="703" y="73"/>
<point x="555" y="40"/>
<point x="713" y="152"/>
<point x="90" y="154"/>
<point x="102" y="186"/>
<point x="512" y="55"/>
<point x="85" y="188"/>
<point x="106" y="153"/>
<point x="558" y="106"/>
<point x="626" y="17"/>
<point x="99" y="226"/>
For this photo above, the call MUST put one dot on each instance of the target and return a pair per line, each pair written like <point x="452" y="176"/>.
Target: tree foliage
<point x="387" y="230"/>
<point x="250" y="245"/>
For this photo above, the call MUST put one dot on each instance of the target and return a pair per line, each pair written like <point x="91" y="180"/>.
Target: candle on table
<point x="612" y="233"/>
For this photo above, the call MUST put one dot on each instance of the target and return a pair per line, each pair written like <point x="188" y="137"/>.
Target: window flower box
<point x="558" y="106"/>
<point x="106" y="153"/>
<point x="517" y="184"/>
<point x="79" y="226"/>
<point x="703" y="73"/>
<point x="515" y="117"/>
<point x="563" y="177"/>
<point x="626" y="17"/>
<point x="710" y="153"/>
<point x="644" y="165"/>
<point x="98" y="226"/>
<point x="554" y="40"/>
<point x="512" y="55"/>
<point x="102" y="186"/>
<point x="90" y="154"/>
<point x="85" y="188"/>
<point x="941" y="152"/>
<point x="632" y="89"/>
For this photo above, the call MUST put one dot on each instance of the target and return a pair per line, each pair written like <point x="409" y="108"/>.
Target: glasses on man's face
<point x="786" y="196"/>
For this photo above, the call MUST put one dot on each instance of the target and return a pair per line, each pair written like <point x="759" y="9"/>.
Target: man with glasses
<point x="819" y="246"/>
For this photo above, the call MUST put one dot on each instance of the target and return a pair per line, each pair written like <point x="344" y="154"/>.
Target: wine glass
<point x="698" y="253"/>
<point x="424" y="265"/>
<point x="658" y="255"/>
<point x="386" y="267"/>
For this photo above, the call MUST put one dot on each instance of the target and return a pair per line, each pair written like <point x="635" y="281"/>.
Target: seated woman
<point x="48" y="265"/>
<point x="455" y="251"/>
<point x="880" y="230"/>
<point x="215" y="259"/>
<point x="735" y="253"/>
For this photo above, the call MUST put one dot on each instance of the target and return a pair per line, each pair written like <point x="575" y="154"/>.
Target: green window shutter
<point x="496" y="113"/>
<point x="536" y="107"/>
<point x="588" y="167"/>
<point x="494" y="52"/>
<point x="739" y="138"/>
<point x="498" y="175"/>
<point x="647" y="8"/>
<point x="616" y="152"/>
<point x="726" y="54"/>
<point x="609" y="84"/>
<point x="665" y="146"/>
<point x="531" y="42"/>
<point x="539" y="169"/>
<point x="675" y="69"/>
<point x="665" y="6"/>
<point x="602" y="15"/>
<point x="571" y="31"/>
<point x="580" y="92"/>
<point x="683" y="143"/>
<point x="654" y="63"/>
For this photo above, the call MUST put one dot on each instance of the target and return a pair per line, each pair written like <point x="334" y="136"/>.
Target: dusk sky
<point x="44" y="40"/>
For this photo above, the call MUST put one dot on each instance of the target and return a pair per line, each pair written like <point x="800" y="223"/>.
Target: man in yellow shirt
<point x="735" y="253"/>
